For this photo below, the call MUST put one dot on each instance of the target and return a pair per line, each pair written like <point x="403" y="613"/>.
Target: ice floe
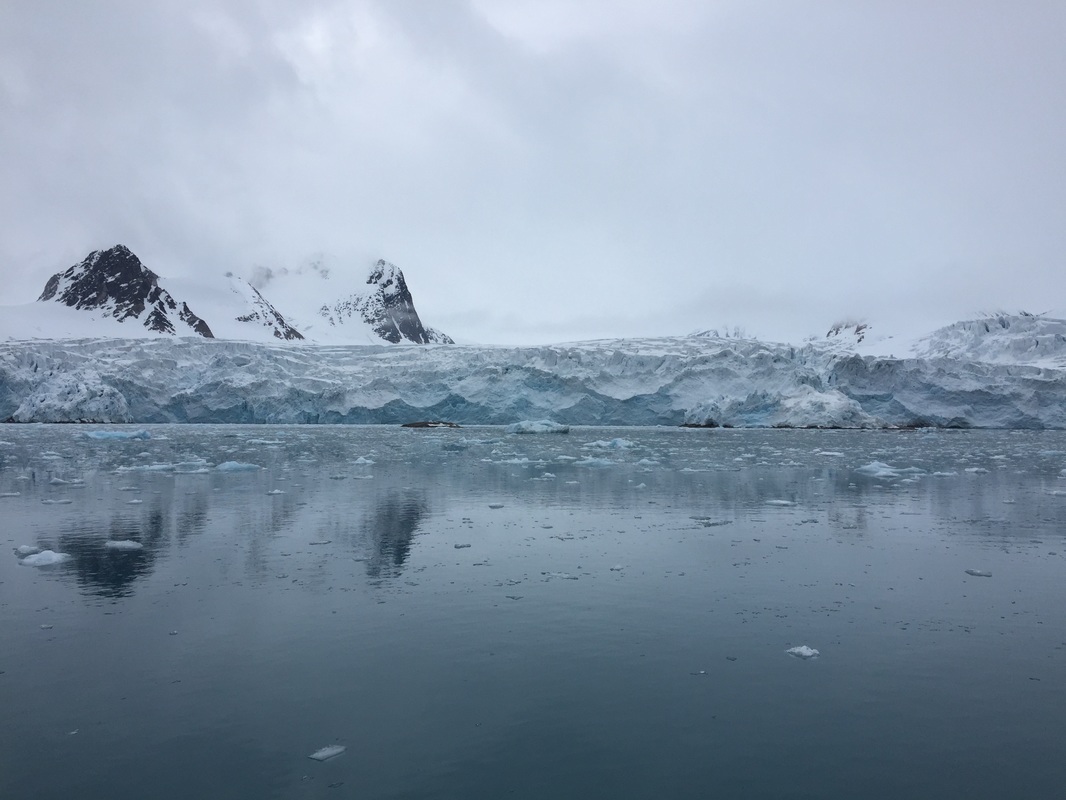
<point x="45" y="558"/>
<point x="116" y="436"/>
<point x="803" y="651"/>
<point x="538" y="426"/>
<point x="979" y="573"/>
<point x="612" y="444"/>
<point x="237" y="466"/>
<point x="326" y="753"/>
<point x="878" y="469"/>
<point x="123" y="544"/>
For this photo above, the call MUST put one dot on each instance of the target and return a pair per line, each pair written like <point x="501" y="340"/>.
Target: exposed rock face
<point x="387" y="306"/>
<point x="263" y="313"/>
<point x="116" y="282"/>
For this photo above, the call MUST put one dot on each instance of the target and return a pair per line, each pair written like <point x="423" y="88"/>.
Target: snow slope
<point x="669" y="381"/>
<point x="1036" y="340"/>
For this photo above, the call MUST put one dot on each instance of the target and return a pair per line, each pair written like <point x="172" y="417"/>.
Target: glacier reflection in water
<point x="477" y="614"/>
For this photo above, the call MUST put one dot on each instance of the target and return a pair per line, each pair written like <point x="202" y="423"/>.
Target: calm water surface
<point x="474" y="614"/>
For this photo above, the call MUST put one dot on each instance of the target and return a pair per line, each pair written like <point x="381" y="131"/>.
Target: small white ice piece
<point x="237" y="466"/>
<point x="275" y="491"/>
<point x="979" y="573"/>
<point x="326" y="753"/>
<point x="45" y="558"/>
<point x="123" y="544"/>
<point x="27" y="550"/>
<point x="803" y="651"/>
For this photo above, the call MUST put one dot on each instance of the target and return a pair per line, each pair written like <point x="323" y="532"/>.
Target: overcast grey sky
<point x="545" y="170"/>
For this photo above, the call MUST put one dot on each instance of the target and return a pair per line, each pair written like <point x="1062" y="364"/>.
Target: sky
<point x="554" y="170"/>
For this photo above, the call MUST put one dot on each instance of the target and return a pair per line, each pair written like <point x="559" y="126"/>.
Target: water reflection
<point x="106" y="572"/>
<point x="390" y="529"/>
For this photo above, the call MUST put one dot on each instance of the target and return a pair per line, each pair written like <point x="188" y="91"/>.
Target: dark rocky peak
<point x="387" y="306"/>
<point x="115" y="282"/>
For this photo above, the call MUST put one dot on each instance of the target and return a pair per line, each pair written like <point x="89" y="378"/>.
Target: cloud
<point x="549" y="170"/>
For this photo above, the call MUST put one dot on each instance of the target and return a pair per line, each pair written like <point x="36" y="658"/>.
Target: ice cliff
<point x="696" y="380"/>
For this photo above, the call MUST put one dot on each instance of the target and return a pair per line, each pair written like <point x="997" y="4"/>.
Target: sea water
<point x="468" y="613"/>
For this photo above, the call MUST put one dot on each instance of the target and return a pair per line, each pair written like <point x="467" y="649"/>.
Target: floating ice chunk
<point x="612" y="444"/>
<point x="461" y="546"/>
<point x="495" y="505"/>
<point x="878" y="469"/>
<point x="803" y="651"/>
<point x="134" y="502"/>
<point x="827" y="453"/>
<point x="10" y="494"/>
<point x="780" y="503"/>
<point x="57" y="502"/>
<point x="58" y="482"/>
<point x="538" y="426"/>
<point x="594" y="462"/>
<point x="617" y="568"/>
<point x="647" y="462"/>
<point x="976" y="470"/>
<point x="947" y="474"/>
<point x="363" y="460"/>
<point x="123" y="544"/>
<point x="979" y="573"/>
<point x="116" y="436"/>
<point x="275" y="491"/>
<point x="237" y="466"/>
<point x="27" y="550"/>
<point x="326" y="753"/>
<point x="45" y="558"/>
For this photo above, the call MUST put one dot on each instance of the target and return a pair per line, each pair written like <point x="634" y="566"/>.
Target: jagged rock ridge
<point x="115" y="282"/>
<point x="387" y="307"/>
<point x="263" y="313"/>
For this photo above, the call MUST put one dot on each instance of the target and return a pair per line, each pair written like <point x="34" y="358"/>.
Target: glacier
<point x="694" y="380"/>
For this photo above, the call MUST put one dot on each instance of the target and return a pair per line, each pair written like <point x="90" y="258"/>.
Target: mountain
<point x="386" y="306"/>
<point x="116" y="283"/>
<point x="100" y="296"/>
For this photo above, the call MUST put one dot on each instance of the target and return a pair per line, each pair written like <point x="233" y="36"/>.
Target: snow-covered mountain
<point x="670" y="381"/>
<point x="110" y="289"/>
<point x="116" y="285"/>
<point x="329" y="307"/>
<point x="387" y="306"/>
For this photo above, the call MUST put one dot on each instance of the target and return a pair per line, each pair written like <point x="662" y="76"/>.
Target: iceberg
<point x="45" y="558"/>
<point x="538" y="426"/>
<point x="237" y="466"/>
<point x="123" y="544"/>
<point x="803" y="651"/>
<point x="116" y="436"/>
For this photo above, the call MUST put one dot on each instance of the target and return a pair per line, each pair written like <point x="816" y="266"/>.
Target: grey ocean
<point x="474" y="614"/>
